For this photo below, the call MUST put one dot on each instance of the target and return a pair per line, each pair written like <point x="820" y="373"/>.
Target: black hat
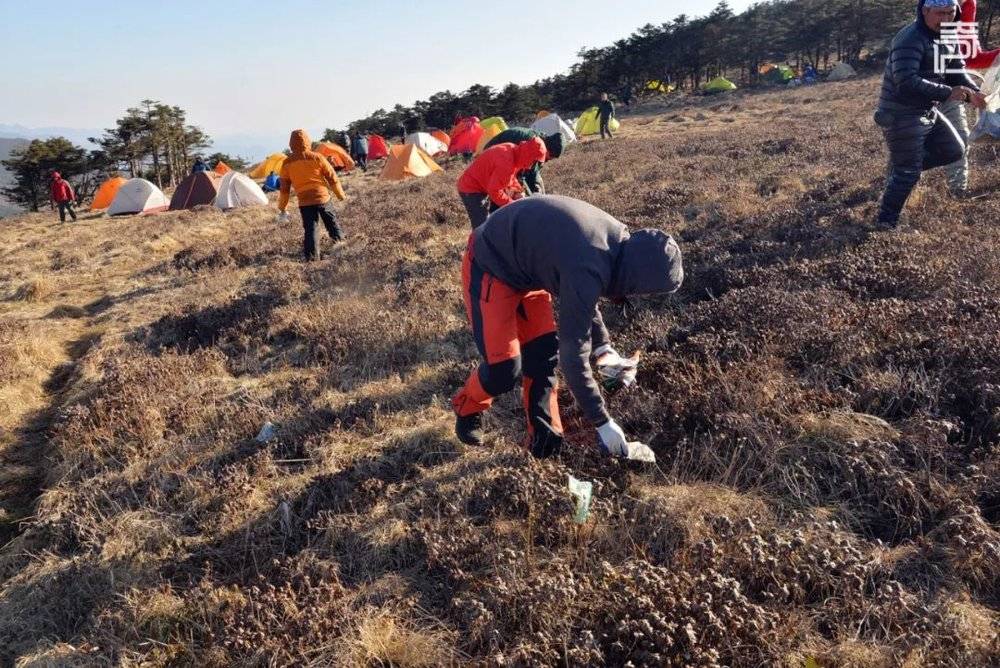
<point x="554" y="144"/>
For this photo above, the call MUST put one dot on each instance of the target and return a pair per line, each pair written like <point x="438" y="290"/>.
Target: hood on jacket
<point x="649" y="262"/>
<point x="529" y="152"/>
<point x="299" y="142"/>
<point x="56" y="176"/>
<point x="554" y="145"/>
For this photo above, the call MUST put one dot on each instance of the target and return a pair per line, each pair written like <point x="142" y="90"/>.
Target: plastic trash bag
<point x="640" y="452"/>
<point x="267" y="433"/>
<point x="618" y="376"/>
<point x="987" y="127"/>
<point x="582" y="491"/>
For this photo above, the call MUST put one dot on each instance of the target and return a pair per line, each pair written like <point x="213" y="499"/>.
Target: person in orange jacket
<point x="313" y="179"/>
<point x="491" y="182"/>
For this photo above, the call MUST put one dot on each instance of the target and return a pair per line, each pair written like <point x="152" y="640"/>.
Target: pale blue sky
<point x="261" y="68"/>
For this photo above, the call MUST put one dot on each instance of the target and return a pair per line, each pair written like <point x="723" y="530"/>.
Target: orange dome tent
<point x="222" y="168"/>
<point x="377" y="147"/>
<point x="441" y="136"/>
<point x="408" y="161"/>
<point x="105" y="195"/>
<point x="337" y="155"/>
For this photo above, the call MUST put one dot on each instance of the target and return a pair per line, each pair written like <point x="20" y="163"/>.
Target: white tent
<point x="238" y="190"/>
<point x="138" y="196"/>
<point x="840" y="72"/>
<point x="552" y="124"/>
<point x="427" y="142"/>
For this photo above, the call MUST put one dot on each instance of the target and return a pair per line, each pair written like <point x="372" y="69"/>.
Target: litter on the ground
<point x="267" y="433"/>
<point x="640" y="452"/>
<point x="582" y="491"/>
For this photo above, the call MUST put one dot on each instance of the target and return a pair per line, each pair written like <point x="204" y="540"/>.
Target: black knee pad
<point x="541" y="356"/>
<point x="500" y="378"/>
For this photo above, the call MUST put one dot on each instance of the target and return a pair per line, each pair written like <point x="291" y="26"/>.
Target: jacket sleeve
<point x="906" y="59"/>
<point x="330" y="175"/>
<point x="578" y="315"/>
<point x="285" y="189"/>
<point x="72" y="193"/>
<point x="502" y="178"/>
<point x="598" y="332"/>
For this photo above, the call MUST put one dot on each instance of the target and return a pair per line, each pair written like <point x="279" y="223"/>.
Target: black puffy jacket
<point x="910" y="82"/>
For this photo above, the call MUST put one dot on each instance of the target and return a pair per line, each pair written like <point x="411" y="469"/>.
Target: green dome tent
<point x="718" y="85"/>
<point x="780" y="74"/>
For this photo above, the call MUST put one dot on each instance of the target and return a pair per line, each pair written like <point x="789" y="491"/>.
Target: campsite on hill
<point x="822" y="399"/>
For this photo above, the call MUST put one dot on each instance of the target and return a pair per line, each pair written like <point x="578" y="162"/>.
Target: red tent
<point x="377" y="147"/>
<point x="465" y="136"/>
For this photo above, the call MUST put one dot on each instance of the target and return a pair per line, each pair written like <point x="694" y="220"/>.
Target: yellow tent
<point x="491" y="128"/>
<point x="407" y="161"/>
<point x="589" y="123"/>
<point x="660" y="87"/>
<point x="272" y="163"/>
<point x="106" y="193"/>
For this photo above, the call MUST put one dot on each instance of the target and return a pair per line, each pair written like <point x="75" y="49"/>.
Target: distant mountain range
<point x="253" y="147"/>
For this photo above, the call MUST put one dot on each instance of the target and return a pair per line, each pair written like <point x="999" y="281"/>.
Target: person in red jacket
<point x="491" y="182"/>
<point x="62" y="196"/>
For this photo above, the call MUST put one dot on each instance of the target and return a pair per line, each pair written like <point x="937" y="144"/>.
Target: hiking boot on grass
<point x="469" y="429"/>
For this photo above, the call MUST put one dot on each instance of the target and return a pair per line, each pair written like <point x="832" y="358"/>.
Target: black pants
<point x="64" y="208"/>
<point x="916" y="142"/>
<point x="478" y="206"/>
<point x="312" y="215"/>
<point x="362" y="161"/>
<point x="533" y="182"/>
<point x="606" y="127"/>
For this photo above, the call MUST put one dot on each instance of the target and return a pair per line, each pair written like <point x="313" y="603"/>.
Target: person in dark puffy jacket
<point x="360" y="150"/>
<point x="918" y="136"/>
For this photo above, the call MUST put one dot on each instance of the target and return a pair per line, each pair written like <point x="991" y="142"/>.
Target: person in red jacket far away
<point x="491" y="182"/>
<point x="62" y="196"/>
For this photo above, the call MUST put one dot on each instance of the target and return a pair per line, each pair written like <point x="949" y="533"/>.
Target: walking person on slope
<point x="312" y="178"/>
<point x="605" y="112"/>
<point x="527" y="253"/>
<point x="361" y="151"/>
<point x="918" y="135"/>
<point x="62" y="196"/>
<point x="490" y="182"/>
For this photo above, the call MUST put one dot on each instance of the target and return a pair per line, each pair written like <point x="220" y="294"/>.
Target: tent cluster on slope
<point x="139" y="196"/>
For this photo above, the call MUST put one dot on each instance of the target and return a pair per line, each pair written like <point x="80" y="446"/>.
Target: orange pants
<point x="515" y="332"/>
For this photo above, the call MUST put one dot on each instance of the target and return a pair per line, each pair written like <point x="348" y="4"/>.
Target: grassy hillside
<point x="823" y="401"/>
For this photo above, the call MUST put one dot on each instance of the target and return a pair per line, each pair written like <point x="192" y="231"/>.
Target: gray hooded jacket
<point x="578" y="253"/>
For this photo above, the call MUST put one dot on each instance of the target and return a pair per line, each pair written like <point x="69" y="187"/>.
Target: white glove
<point x="612" y="439"/>
<point x="613" y="442"/>
<point x="283" y="217"/>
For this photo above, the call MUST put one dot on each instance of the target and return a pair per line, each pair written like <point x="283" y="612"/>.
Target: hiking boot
<point x="886" y="225"/>
<point x="469" y="429"/>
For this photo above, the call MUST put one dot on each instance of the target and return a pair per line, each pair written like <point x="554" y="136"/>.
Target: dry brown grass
<point x="823" y="401"/>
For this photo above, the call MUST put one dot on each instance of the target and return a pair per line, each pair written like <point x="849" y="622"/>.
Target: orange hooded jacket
<point x="309" y="173"/>
<point x="495" y="171"/>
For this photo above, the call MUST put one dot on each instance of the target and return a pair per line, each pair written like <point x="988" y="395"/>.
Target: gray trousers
<point x="477" y="205"/>
<point x="958" y="171"/>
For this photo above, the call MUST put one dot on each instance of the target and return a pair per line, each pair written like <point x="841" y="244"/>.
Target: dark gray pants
<point x="312" y="215"/>
<point x="916" y="142"/>
<point x="606" y="127"/>
<point x="478" y="206"/>
<point x="64" y="208"/>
